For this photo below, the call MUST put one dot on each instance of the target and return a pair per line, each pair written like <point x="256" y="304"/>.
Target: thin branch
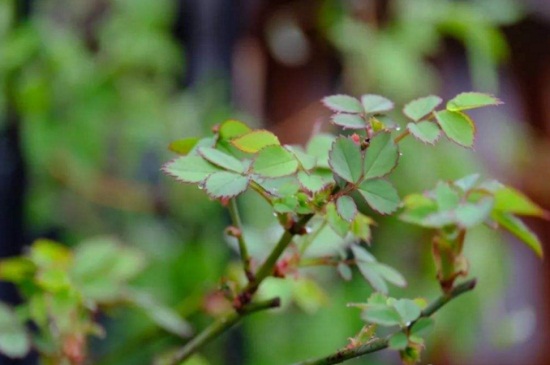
<point x="243" y="250"/>
<point x="404" y="134"/>
<point x="218" y="327"/>
<point x="378" y="344"/>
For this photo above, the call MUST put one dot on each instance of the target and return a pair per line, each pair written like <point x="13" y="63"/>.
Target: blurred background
<point x="93" y="91"/>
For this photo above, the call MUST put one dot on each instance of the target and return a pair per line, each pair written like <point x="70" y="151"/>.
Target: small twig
<point x="243" y="250"/>
<point x="219" y="326"/>
<point x="378" y="344"/>
<point x="404" y="134"/>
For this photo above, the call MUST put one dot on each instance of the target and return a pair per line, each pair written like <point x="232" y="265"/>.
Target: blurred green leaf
<point x="190" y="169"/>
<point x="398" y="341"/>
<point x="311" y="182"/>
<point x="344" y="271"/>
<point x="308" y="295"/>
<point x="231" y="129"/>
<point x="458" y="127"/>
<point x="335" y="221"/>
<point x="225" y="184"/>
<point x="183" y="146"/>
<point x="319" y="147"/>
<point x="381" y="156"/>
<point x="46" y="253"/>
<point x="469" y="215"/>
<point x="360" y="227"/>
<point x="14" y="340"/>
<point x="425" y="131"/>
<point x="419" y="108"/>
<point x="408" y="310"/>
<point x="346" y="208"/>
<point x="383" y="315"/>
<point x="346" y="160"/>
<point x="422" y="327"/>
<point x="343" y="103"/>
<point x="221" y="159"/>
<point x="515" y="226"/>
<point x="390" y="274"/>
<point x="255" y="140"/>
<point x="510" y="200"/>
<point x="373" y="104"/>
<point x="349" y="121"/>
<point x="380" y="195"/>
<point x="471" y="100"/>
<point x="16" y="269"/>
<point x="275" y="161"/>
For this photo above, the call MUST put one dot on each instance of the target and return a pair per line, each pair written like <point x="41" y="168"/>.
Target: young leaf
<point x="346" y="208"/>
<point x="183" y="146"/>
<point x="373" y="277"/>
<point x="419" y="108"/>
<point x="381" y="156"/>
<point x="190" y="169"/>
<point x="337" y="223"/>
<point x="471" y="100"/>
<point x="225" y="184"/>
<point x="275" y="161"/>
<point x="312" y="183"/>
<point x="343" y="103"/>
<point x="458" y="127"/>
<point x="344" y="271"/>
<point x="14" y="341"/>
<point x="381" y="314"/>
<point x="446" y="196"/>
<point x="374" y="104"/>
<point x="510" y="200"/>
<point x="361" y="254"/>
<point x="346" y="160"/>
<point x="422" y="327"/>
<point x="467" y="183"/>
<point x="221" y="159"/>
<point x="472" y="214"/>
<point x="380" y="195"/>
<point x="398" y="341"/>
<point x="232" y="129"/>
<point x="319" y="147"/>
<point x="308" y="162"/>
<point x="360" y="227"/>
<point x="425" y="131"/>
<point x="408" y="310"/>
<point x="391" y="275"/>
<point x="515" y="226"/>
<point x="350" y="121"/>
<point x="255" y="140"/>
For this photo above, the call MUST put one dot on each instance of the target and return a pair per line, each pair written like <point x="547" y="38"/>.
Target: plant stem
<point x="243" y="250"/>
<point x="404" y="134"/>
<point x="378" y="344"/>
<point x="218" y="327"/>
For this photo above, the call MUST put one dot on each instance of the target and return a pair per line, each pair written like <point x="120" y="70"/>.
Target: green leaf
<point x="275" y="161"/>
<point x="189" y="169"/>
<point x="14" y="341"/>
<point x="225" y="184"/>
<point x="255" y="140"/>
<point x="346" y="208"/>
<point x="469" y="215"/>
<point x="422" y="327"/>
<point x="232" y="129"/>
<point x="425" y="131"/>
<point x="312" y="183"/>
<point x="381" y="156"/>
<point x="165" y="317"/>
<point x="46" y="253"/>
<point x="221" y="159"/>
<point x="510" y="200"/>
<point x="346" y="160"/>
<point x="319" y="147"/>
<point x="374" y="104"/>
<point x="183" y="146"/>
<point x="391" y="275"/>
<point x="382" y="315"/>
<point x="457" y="126"/>
<point x="361" y="254"/>
<point x="337" y="223"/>
<point x="308" y="162"/>
<point x="360" y="227"/>
<point x="399" y="341"/>
<point x="419" y="108"/>
<point x="373" y="277"/>
<point x="446" y="197"/>
<point x="515" y="226"/>
<point x="343" y="103"/>
<point x="471" y="100"/>
<point x="349" y="121"/>
<point x="380" y="195"/>
<point x="16" y="269"/>
<point x="467" y="183"/>
<point x="344" y="271"/>
<point x="408" y="310"/>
